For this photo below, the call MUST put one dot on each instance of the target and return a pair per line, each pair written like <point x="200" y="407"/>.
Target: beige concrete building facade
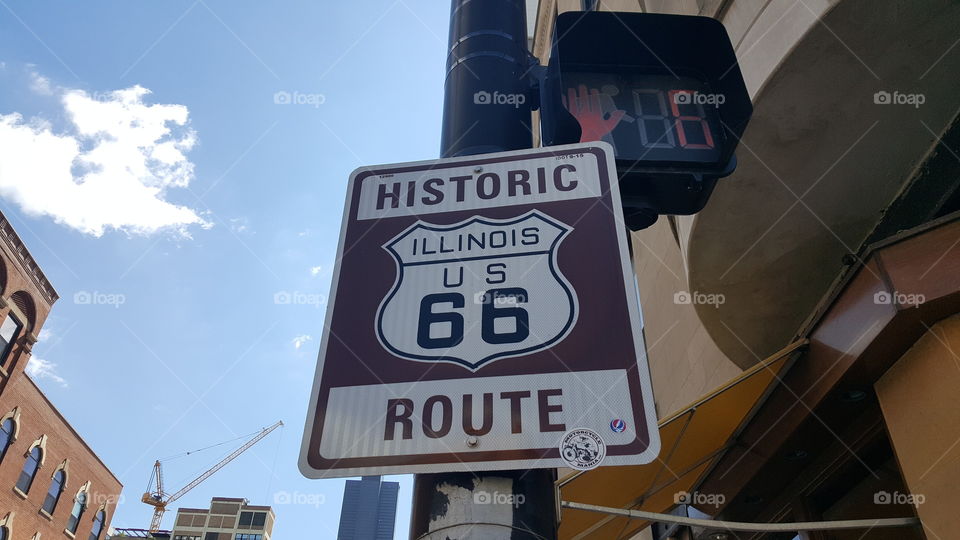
<point x="839" y="232"/>
<point x="226" y="519"/>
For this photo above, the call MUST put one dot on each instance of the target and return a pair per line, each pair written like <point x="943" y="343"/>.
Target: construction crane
<point x="156" y="497"/>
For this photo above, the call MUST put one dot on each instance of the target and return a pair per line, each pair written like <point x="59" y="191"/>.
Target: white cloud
<point x="44" y="335"/>
<point x="40" y="84"/>
<point x="300" y="340"/>
<point x="38" y="368"/>
<point x="111" y="169"/>
<point x="239" y="225"/>
<point x="315" y="270"/>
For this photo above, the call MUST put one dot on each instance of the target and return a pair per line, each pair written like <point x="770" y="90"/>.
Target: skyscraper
<point x="369" y="509"/>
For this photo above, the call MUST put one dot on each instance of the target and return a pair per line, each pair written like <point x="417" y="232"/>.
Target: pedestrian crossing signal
<point x="664" y="90"/>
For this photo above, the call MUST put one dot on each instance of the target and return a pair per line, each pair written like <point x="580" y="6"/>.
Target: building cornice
<point x="23" y="257"/>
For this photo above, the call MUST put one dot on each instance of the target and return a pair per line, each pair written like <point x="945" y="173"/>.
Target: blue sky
<point x="167" y="336"/>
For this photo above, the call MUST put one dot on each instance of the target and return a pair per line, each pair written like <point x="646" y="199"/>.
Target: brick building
<point x="52" y="485"/>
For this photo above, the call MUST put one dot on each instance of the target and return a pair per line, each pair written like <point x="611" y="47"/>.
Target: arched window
<point x="25" y="305"/>
<point x="79" y="505"/>
<point x="9" y="332"/>
<point x="30" y="467"/>
<point x="6" y="526"/>
<point x="6" y="438"/>
<point x="53" y="494"/>
<point x="97" y="525"/>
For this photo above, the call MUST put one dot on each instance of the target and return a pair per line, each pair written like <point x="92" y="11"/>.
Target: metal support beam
<point x="803" y="526"/>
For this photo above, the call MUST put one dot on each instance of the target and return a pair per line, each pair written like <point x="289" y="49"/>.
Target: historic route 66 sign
<point x="467" y="292"/>
<point x="483" y="315"/>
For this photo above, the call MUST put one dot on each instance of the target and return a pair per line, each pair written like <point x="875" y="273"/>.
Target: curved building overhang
<point x="821" y="159"/>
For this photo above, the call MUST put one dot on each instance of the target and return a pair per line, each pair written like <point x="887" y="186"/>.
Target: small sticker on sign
<point x="582" y="449"/>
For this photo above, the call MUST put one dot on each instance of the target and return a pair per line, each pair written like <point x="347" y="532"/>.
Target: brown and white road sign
<point x="483" y="315"/>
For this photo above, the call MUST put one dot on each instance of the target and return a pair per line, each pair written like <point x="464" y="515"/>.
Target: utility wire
<point x="184" y="454"/>
<point x="273" y="470"/>
<point x="182" y="478"/>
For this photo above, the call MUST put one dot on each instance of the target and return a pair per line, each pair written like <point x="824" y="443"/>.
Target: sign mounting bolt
<point x="472" y="442"/>
<point x="478" y="169"/>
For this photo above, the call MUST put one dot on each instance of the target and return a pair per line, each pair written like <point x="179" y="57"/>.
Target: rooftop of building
<point x="245" y="506"/>
<point x="137" y="533"/>
<point x="22" y="255"/>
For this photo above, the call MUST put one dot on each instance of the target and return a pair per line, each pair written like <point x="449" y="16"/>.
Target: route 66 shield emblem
<point x="477" y="291"/>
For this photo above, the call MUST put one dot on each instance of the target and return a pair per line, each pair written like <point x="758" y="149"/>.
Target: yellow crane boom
<point x="159" y="499"/>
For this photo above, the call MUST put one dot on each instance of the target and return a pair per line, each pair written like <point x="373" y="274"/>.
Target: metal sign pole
<point x="487" y="103"/>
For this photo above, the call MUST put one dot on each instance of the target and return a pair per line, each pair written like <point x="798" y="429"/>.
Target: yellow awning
<point x="692" y="440"/>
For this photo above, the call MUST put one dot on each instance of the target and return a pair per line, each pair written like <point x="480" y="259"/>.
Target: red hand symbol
<point x="586" y="109"/>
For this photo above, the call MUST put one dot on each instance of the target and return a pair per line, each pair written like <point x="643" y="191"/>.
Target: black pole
<point x="486" y="108"/>
<point x="487" y="69"/>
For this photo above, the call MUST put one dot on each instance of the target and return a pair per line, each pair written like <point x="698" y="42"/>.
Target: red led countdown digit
<point x="680" y="119"/>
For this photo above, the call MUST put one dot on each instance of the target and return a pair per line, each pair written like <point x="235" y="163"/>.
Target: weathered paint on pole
<point x="501" y="505"/>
